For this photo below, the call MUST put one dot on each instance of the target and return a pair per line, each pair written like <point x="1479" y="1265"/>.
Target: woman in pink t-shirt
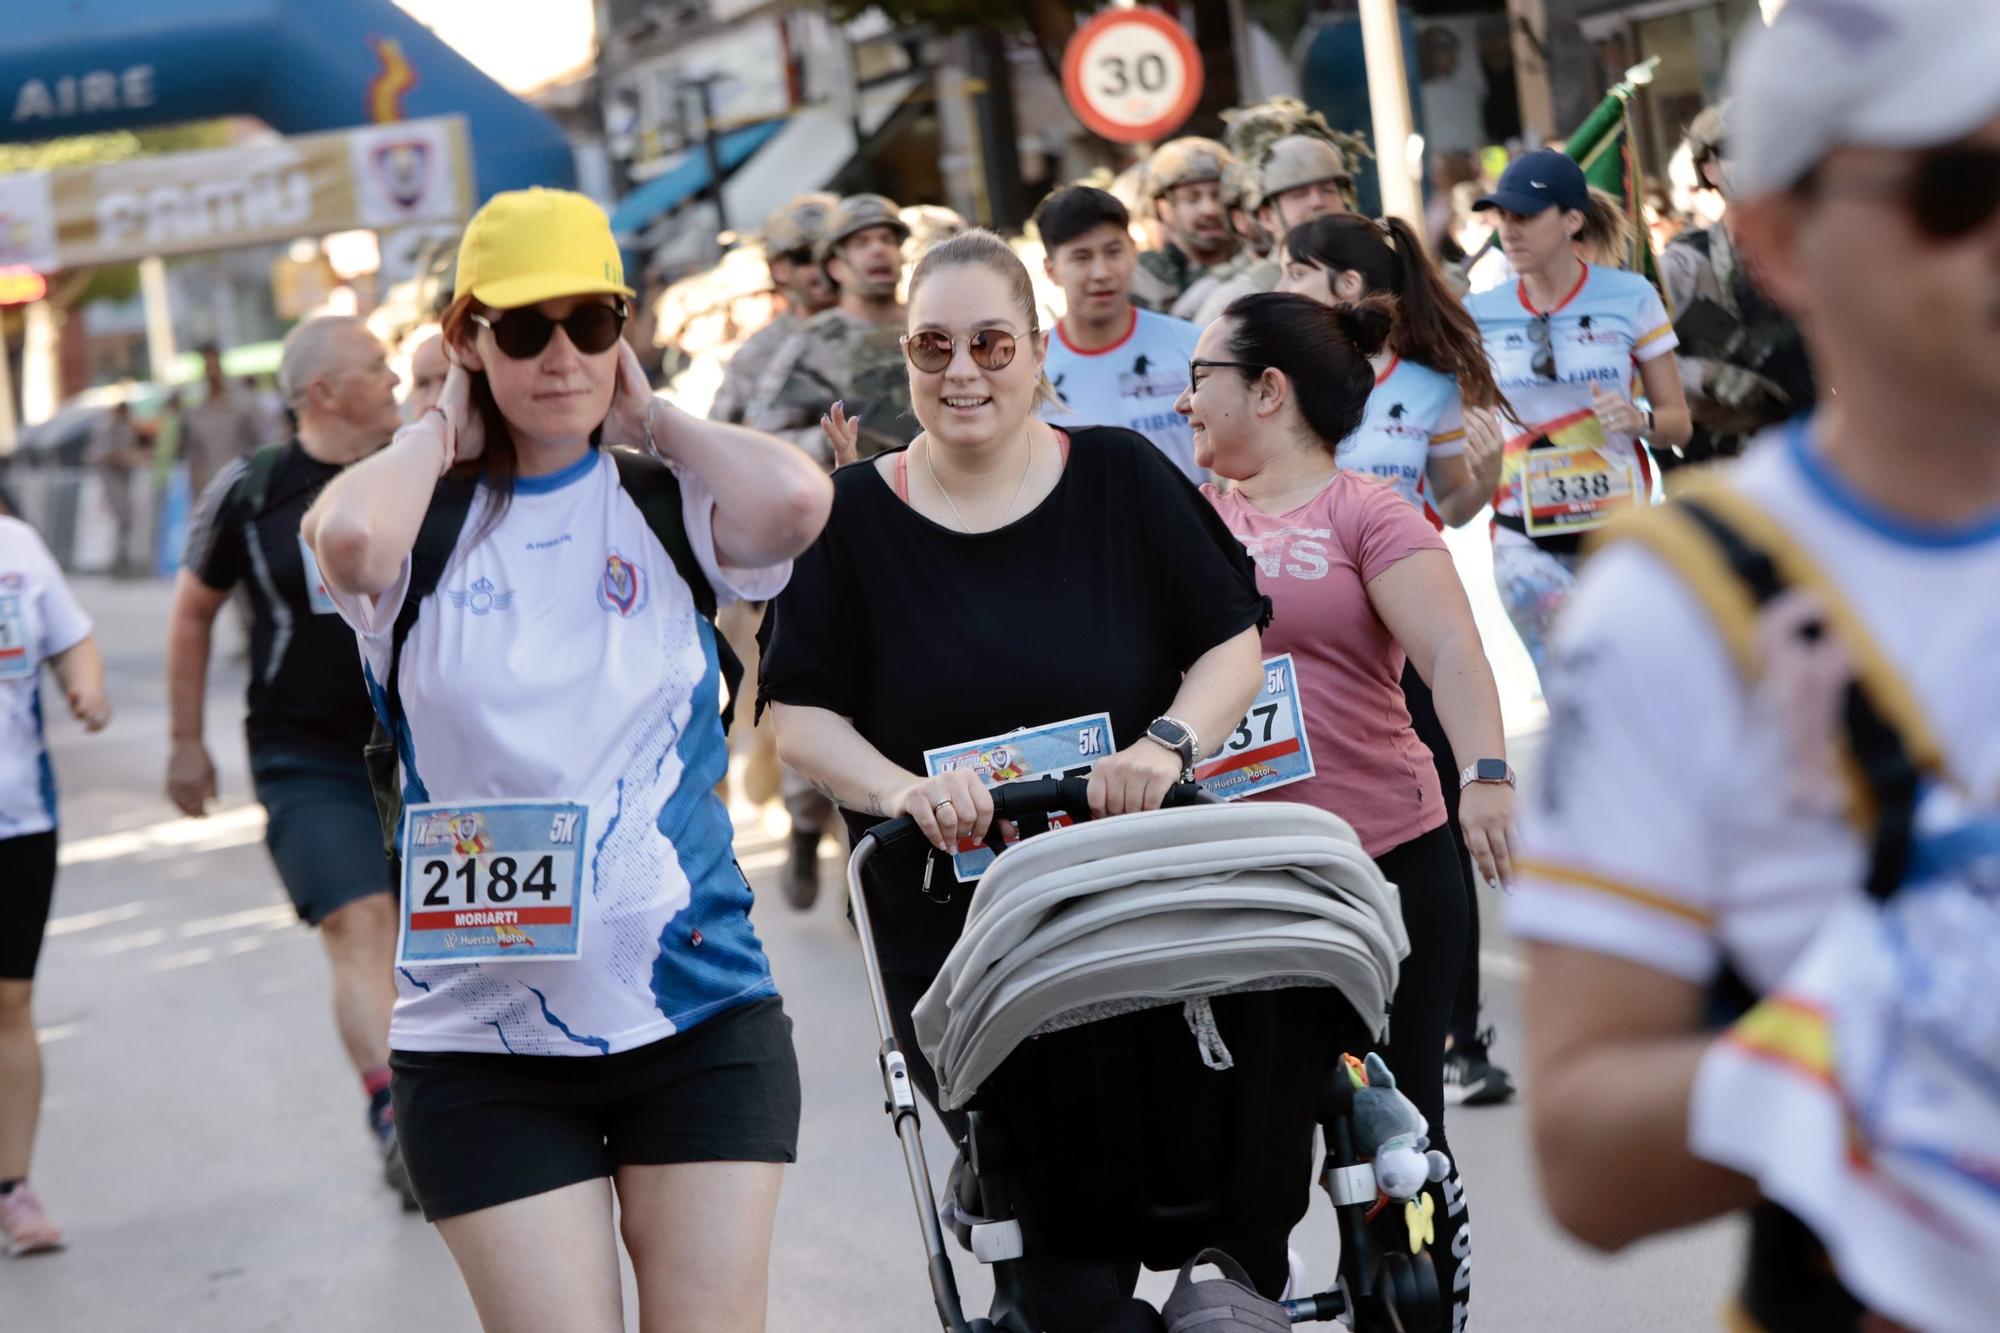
<point x="1358" y="580"/>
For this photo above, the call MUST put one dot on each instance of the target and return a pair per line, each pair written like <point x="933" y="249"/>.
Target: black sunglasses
<point x="1950" y="193"/>
<point x="1543" y="362"/>
<point x="931" y="350"/>
<point x="1197" y="363"/>
<point x="522" y="333"/>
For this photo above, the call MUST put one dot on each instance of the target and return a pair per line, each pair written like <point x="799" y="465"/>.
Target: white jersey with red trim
<point x="1665" y="827"/>
<point x="1611" y="323"/>
<point x="1414" y="415"/>
<point x="1133" y="383"/>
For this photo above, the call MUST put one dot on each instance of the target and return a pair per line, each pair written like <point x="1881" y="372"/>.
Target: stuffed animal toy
<point x="1389" y="1128"/>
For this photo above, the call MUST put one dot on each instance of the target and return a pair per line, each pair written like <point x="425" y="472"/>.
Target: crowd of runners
<point x="507" y="629"/>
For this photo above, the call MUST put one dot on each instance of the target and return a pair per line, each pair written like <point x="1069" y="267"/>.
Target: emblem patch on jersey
<point x="481" y="597"/>
<point x="464" y="833"/>
<point x="623" y="587"/>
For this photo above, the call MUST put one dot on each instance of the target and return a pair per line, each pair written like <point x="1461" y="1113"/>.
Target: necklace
<point x="1019" y="489"/>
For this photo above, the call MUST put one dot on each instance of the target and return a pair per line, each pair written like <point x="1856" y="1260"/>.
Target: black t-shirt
<point x="308" y="698"/>
<point x="1096" y="601"/>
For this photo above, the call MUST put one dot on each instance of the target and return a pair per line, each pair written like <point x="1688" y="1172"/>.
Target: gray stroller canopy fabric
<point x="1163" y="907"/>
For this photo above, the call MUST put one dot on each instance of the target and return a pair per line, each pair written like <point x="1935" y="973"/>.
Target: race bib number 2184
<point x="492" y="883"/>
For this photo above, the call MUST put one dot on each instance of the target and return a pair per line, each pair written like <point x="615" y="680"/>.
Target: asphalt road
<point x="203" y="1139"/>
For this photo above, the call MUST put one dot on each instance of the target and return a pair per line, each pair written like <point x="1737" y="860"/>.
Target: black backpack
<point x="653" y="488"/>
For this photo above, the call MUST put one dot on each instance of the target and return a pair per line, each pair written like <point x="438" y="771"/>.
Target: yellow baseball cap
<point x="534" y="245"/>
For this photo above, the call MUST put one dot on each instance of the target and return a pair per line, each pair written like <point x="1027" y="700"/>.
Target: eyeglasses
<point x="1197" y="363"/>
<point x="523" y="333"/>
<point x="1543" y="363"/>
<point x="931" y="351"/>
<point x="1950" y="193"/>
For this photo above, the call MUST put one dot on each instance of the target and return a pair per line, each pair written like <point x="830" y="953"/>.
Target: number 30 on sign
<point x="1132" y="75"/>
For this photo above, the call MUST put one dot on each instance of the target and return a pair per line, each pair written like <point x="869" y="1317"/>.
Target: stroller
<point x="1216" y="960"/>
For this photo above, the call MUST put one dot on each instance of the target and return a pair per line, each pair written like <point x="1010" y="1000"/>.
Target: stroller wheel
<point x="1409" y="1290"/>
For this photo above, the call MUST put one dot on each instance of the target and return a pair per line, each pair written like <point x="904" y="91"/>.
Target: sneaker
<point x="1470" y="1076"/>
<point x="394" y="1173"/>
<point x="801" y="884"/>
<point x="24" y="1223"/>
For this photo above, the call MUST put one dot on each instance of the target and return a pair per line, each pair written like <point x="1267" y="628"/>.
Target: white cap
<point x="1871" y="73"/>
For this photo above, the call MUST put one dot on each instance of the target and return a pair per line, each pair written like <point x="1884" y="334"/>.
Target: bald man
<point x="309" y="713"/>
<point x="427" y="371"/>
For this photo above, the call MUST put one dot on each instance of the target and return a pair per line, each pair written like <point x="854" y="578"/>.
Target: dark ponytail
<point x="1321" y="350"/>
<point x="1432" y="328"/>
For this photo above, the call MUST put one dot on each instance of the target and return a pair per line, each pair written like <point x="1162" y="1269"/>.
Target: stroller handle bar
<point x="1039" y="796"/>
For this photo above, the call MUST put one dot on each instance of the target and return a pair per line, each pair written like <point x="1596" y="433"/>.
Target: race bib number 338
<point x="492" y="883"/>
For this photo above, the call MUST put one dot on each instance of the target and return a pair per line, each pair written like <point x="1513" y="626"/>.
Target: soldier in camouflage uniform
<point x="1240" y="198"/>
<point x="1184" y="183"/>
<point x="1742" y="359"/>
<point x="1302" y="171"/>
<point x="789" y="237"/>
<point x="853" y="353"/>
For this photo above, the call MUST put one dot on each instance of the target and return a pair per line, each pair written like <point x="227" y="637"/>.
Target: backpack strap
<point x="1737" y="559"/>
<point x="657" y="492"/>
<point x="451" y="502"/>
<point x="258" y="469"/>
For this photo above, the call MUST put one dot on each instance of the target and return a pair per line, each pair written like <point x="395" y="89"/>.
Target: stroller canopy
<point x="1163" y="907"/>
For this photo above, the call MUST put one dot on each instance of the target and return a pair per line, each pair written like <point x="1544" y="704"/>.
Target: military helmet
<point x="1240" y="188"/>
<point x="1708" y="144"/>
<point x="857" y="213"/>
<point x="1185" y="162"/>
<point x="930" y="224"/>
<point x="1707" y="132"/>
<point x="1300" y="160"/>
<point x="798" y="223"/>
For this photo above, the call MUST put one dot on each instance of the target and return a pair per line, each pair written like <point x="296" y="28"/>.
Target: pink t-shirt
<point x="1315" y="563"/>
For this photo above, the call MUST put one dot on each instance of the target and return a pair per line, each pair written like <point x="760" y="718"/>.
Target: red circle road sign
<point x="1132" y="75"/>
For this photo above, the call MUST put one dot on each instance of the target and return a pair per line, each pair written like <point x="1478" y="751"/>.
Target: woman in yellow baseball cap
<point x="582" y="1002"/>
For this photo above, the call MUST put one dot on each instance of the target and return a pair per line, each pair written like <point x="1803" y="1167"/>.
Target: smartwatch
<point x="1486" y="770"/>
<point x="1176" y="735"/>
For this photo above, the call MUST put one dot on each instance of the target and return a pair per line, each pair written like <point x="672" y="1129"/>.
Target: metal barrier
<point x="104" y="520"/>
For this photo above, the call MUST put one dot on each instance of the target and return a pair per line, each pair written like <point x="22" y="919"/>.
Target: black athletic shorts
<point x="324" y="834"/>
<point x="27" y="884"/>
<point x="479" y="1130"/>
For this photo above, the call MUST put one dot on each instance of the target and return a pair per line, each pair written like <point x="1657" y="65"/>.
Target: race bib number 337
<point x="492" y="883"/>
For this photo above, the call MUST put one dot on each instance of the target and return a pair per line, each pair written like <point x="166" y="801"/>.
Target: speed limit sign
<point x="1132" y="75"/>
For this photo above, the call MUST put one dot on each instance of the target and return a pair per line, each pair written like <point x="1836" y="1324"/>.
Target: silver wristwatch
<point x="1173" y="734"/>
<point x="1486" y="770"/>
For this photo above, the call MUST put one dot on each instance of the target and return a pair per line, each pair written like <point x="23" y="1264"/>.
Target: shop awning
<point x="817" y="142"/>
<point x="688" y="177"/>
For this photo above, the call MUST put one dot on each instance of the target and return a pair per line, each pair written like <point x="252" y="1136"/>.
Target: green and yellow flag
<point x="1605" y="147"/>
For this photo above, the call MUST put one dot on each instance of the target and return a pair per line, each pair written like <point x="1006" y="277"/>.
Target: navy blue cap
<point x="1537" y="181"/>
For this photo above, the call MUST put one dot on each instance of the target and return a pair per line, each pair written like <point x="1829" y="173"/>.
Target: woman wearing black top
<point x="998" y="574"/>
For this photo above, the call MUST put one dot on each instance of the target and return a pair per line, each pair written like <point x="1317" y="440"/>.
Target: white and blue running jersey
<point x="1414" y="415"/>
<point x="1133" y="383"/>
<point x="561" y="659"/>
<point x="1609" y="325"/>
<point x="38" y="620"/>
